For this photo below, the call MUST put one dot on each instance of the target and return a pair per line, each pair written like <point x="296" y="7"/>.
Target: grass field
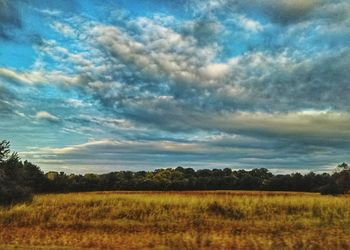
<point x="178" y="220"/>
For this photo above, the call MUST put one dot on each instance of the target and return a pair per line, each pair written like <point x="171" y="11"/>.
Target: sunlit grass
<point x="178" y="220"/>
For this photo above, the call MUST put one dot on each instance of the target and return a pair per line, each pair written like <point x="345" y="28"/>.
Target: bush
<point x="330" y="189"/>
<point x="13" y="194"/>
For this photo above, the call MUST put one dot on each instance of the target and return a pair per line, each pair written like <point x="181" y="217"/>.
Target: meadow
<point x="178" y="220"/>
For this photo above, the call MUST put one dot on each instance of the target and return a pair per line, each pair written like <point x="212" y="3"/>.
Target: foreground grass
<point x="178" y="220"/>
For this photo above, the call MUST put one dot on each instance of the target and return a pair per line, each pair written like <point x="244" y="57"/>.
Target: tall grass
<point x="178" y="220"/>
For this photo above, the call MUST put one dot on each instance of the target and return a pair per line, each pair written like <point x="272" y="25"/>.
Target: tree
<point x="339" y="182"/>
<point x="342" y="180"/>
<point x="12" y="177"/>
<point x="342" y="167"/>
<point x="4" y="150"/>
<point x="34" y="177"/>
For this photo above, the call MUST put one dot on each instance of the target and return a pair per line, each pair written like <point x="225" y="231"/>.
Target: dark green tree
<point x="12" y="177"/>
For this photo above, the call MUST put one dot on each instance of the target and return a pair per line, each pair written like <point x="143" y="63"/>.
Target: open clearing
<point x="178" y="220"/>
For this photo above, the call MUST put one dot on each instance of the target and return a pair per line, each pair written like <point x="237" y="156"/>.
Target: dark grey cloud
<point x="320" y="83"/>
<point x="285" y="11"/>
<point x="205" y="30"/>
<point x="278" y="11"/>
<point x="211" y="152"/>
<point x="277" y="83"/>
<point x="10" y="18"/>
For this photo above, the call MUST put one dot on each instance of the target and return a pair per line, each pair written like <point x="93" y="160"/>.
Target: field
<point x="178" y="220"/>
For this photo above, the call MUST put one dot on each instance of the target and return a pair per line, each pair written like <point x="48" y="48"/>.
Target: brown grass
<point x="178" y="220"/>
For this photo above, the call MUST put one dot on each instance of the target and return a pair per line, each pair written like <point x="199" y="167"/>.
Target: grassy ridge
<point x="178" y="220"/>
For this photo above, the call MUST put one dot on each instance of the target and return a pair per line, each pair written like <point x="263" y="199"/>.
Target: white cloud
<point x="108" y="122"/>
<point x="31" y="77"/>
<point x="76" y="103"/>
<point x="39" y="77"/>
<point x="44" y="115"/>
<point x="249" y="24"/>
<point x="63" y="28"/>
<point x="159" y="52"/>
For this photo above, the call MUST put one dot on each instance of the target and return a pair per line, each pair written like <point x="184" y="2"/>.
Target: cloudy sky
<point x="97" y="86"/>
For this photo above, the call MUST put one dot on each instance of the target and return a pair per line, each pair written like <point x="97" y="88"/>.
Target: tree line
<point x="19" y="180"/>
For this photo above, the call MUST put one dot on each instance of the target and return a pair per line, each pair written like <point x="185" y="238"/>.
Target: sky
<point x="90" y="86"/>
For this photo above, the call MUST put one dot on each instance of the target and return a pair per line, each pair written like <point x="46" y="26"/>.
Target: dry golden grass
<point x="178" y="220"/>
